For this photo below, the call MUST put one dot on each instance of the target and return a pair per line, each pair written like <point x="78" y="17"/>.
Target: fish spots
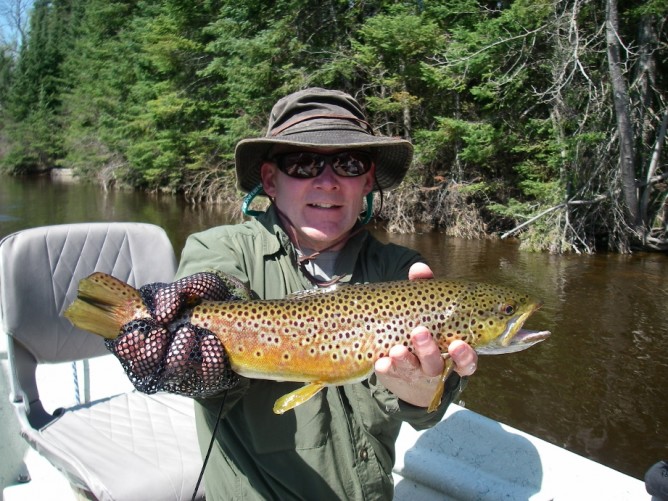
<point x="351" y="326"/>
<point x="270" y="339"/>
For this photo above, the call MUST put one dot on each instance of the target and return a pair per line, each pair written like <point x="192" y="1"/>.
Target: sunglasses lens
<point x="300" y="165"/>
<point x="351" y="164"/>
<point x="308" y="165"/>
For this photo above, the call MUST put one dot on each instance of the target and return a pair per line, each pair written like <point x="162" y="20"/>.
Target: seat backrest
<point x="40" y="269"/>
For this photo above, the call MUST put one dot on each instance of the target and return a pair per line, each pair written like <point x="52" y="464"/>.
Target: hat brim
<point x="392" y="156"/>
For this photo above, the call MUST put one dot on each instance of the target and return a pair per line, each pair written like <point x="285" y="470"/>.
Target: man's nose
<point x="327" y="177"/>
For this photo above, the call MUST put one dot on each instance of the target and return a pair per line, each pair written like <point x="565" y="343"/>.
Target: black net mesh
<point x="167" y="301"/>
<point x="166" y="352"/>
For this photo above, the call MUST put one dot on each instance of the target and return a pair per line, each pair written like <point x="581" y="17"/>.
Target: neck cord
<point x="303" y="259"/>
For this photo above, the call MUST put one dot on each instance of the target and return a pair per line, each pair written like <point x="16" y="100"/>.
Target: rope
<point x="208" y="452"/>
<point x="75" y="377"/>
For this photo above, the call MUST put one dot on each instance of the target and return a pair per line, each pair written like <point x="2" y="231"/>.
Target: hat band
<point x="292" y="123"/>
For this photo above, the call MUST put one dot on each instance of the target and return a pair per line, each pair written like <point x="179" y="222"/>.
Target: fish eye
<point x="508" y="309"/>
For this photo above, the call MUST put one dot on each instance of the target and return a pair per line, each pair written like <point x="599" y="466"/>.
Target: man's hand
<point x="413" y="377"/>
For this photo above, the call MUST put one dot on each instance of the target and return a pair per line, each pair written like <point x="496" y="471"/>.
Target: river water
<point x="598" y="386"/>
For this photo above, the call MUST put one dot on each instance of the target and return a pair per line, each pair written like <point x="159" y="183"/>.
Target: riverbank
<point x="62" y="176"/>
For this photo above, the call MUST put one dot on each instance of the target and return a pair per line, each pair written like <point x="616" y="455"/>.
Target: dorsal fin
<point x="236" y="289"/>
<point x="296" y="296"/>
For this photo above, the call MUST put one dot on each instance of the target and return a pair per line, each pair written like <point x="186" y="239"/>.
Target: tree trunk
<point x="624" y="127"/>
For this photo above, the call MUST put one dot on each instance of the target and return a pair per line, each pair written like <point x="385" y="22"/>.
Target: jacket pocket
<point x="302" y="428"/>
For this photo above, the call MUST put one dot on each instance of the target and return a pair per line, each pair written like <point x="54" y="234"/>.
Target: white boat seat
<point x="128" y="446"/>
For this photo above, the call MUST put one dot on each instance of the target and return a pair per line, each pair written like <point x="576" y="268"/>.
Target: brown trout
<point x="330" y="336"/>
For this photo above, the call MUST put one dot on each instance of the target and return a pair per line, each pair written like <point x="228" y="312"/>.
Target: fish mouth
<point x="515" y="338"/>
<point x="526" y="338"/>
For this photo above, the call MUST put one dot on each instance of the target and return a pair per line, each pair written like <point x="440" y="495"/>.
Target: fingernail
<point x="455" y="348"/>
<point x="421" y="338"/>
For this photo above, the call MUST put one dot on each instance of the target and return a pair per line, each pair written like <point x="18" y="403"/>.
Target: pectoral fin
<point x="448" y="367"/>
<point x="297" y="397"/>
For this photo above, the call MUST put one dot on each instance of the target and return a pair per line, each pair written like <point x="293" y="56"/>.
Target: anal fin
<point x="448" y="367"/>
<point x="297" y="397"/>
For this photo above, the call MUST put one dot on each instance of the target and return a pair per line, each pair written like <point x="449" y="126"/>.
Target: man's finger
<point x="420" y="270"/>
<point x="426" y="350"/>
<point x="464" y="357"/>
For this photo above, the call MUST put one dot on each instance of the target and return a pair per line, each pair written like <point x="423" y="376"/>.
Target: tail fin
<point x="104" y="304"/>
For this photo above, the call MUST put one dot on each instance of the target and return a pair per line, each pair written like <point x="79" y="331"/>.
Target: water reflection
<point x="597" y="386"/>
<point x="38" y="201"/>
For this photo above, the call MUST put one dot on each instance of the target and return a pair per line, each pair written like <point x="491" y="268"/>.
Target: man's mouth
<point x="324" y="206"/>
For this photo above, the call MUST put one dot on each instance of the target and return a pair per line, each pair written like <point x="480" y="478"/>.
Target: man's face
<point x="323" y="208"/>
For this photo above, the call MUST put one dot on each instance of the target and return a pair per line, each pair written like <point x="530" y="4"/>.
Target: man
<point x="318" y="162"/>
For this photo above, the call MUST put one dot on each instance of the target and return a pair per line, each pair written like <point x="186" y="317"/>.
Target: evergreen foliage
<point x="535" y="118"/>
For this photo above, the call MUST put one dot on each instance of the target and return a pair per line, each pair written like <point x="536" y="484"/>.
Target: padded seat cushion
<point x="107" y="442"/>
<point x="125" y="447"/>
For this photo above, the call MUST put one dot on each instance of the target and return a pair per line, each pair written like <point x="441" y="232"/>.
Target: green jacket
<point x="339" y="444"/>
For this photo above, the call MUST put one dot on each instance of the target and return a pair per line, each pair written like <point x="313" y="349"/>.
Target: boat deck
<point x="466" y="456"/>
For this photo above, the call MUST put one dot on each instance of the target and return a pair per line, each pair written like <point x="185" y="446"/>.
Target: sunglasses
<point x="306" y="165"/>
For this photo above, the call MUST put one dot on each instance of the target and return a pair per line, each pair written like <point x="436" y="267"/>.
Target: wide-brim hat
<point x="316" y="118"/>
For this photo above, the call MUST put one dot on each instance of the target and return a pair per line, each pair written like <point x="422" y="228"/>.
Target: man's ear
<point x="268" y="175"/>
<point x="370" y="179"/>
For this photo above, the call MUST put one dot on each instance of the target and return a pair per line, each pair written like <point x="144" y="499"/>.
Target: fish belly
<point x="289" y="348"/>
